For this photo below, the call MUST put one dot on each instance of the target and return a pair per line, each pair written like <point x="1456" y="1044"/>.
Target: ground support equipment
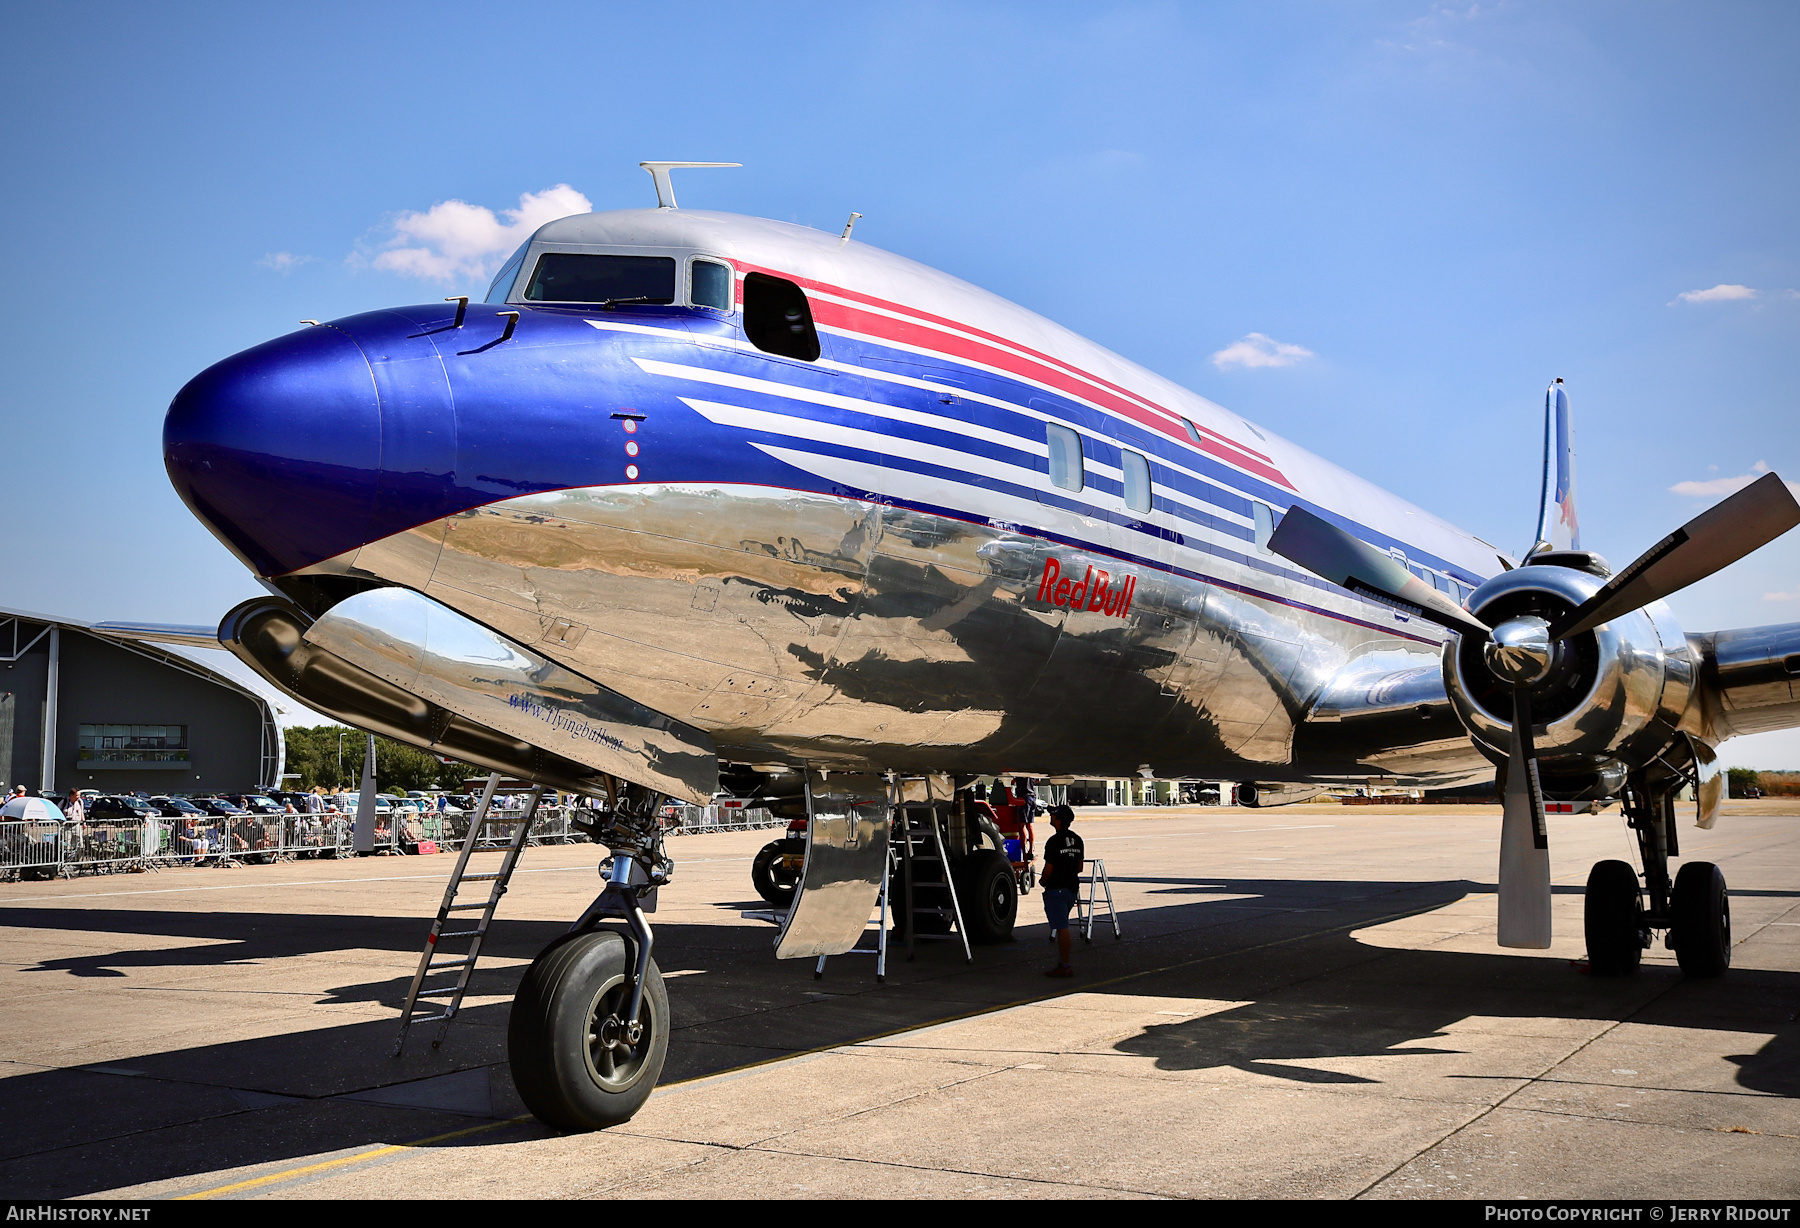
<point x="435" y="962"/>
<point x="879" y="950"/>
<point x="1096" y="881"/>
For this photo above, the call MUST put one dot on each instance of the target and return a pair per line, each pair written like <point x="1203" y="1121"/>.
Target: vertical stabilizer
<point x="1557" y="527"/>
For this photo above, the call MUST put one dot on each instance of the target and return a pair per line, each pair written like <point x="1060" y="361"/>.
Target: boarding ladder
<point x="926" y="892"/>
<point x="434" y="961"/>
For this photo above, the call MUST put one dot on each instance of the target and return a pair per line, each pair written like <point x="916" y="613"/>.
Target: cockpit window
<point x="777" y="318"/>
<point x="578" y="277"/>
<point x="509" y="273"/>
<point x="711" y="285"/>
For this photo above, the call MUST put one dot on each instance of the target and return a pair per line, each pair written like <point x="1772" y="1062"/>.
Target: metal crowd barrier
<point x="34" y="849"/>
<point x="679" y="820"/>
<point x="30" y="849"/>
<point x="103" y="845"/>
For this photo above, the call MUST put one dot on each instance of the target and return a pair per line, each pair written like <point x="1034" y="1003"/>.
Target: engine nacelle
<point x="1611" y="700"/>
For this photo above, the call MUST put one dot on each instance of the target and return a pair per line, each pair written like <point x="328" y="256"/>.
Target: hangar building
<point x="103" y="706"/>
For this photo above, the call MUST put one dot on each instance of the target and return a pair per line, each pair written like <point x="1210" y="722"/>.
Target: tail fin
<point x="1557" y="528"/>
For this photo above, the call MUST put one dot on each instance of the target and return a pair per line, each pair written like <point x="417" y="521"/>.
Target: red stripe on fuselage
<point x="923" y="331"/>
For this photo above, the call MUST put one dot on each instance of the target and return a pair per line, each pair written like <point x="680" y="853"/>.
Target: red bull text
<point x="1098" y="590"/>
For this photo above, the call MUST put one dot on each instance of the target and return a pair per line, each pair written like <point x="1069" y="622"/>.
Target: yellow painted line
<point x="360" y="1157"/>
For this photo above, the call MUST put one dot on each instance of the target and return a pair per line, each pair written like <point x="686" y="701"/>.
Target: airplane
<point x="693" y="498"/>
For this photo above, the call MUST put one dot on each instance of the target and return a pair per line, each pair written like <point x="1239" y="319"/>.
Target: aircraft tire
<point x="988" y="893"/>
<point x="1613" y="916"/>
<point x="1701" y="920"/>
<point x="773" y="883"/>
<point x="564" y="1074"/>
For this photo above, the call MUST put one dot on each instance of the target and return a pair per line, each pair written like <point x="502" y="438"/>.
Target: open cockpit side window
<point x="777" y="318"/>
<point x="585" y="277"/>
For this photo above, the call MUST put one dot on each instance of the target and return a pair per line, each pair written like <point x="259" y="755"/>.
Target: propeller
<point x="1524" y="650"/>
<point x="1333" y="554"/>
<point x="1711" y="541"/>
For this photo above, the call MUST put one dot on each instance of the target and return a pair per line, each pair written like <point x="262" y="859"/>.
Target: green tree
<point x="1742" y="780"/>
<point x="313" y="752"/>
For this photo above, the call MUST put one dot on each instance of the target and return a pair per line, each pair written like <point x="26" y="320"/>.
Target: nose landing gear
<point x="589" y="1029"/>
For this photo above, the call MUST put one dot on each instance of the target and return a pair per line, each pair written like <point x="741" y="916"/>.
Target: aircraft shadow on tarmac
<point x="1283" y="948"/>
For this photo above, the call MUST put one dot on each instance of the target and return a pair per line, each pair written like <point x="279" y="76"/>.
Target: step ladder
<point x="920" y="840"/>
<point x="879" y="950"/>
<point x="436" y="962"/>
<point x="1084" y="909"/>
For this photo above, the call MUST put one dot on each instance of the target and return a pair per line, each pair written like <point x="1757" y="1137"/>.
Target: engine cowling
<point x="1611" y="699"/>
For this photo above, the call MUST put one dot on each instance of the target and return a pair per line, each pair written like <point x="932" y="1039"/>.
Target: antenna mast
<point x="665" y="191"/>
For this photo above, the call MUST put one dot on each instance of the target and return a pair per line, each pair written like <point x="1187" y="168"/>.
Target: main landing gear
<point x="1620" y="915"/>
<point x="589" y="1029"/>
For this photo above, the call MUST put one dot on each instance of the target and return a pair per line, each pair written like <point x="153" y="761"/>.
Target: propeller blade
<point x="1524" y="841"/>
<point x="1332" y="554"/>
<point x="1716" y="538"/>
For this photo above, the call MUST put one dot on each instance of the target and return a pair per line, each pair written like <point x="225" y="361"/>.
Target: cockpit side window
<point x="509" y="273"/>
<point x="581" y="277"/>
<point x="709" y="285"/>
<point x="777" y="318"/>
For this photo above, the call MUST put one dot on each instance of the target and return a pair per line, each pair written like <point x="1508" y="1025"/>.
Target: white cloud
<point x="455" y="240"/>
<point x="1793" y="596"/>
<point x="284" y="262"/>
<point x="1718" y="488"/>
<point x="1718" y="294"/>
<point x="1259" y="350"/>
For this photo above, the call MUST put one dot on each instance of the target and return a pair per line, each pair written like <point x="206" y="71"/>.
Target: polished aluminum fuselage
<point x="803" y="627"/>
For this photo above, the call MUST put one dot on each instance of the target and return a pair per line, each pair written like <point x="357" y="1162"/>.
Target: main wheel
<point x="989" y="896"/>
<point x="572" y="1061"/>
<point x="1701" y="920"/>
<point x="1613" y="912"/>
<point x="773" y="881"/>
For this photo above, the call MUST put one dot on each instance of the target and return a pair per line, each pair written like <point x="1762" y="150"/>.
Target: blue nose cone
<point x="278" y="449"/>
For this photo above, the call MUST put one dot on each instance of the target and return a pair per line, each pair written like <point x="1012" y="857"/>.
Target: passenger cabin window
<point x="1264" y="516"/>
<point x="1137" y="480"/>
<point x="777" y="319"/>
<point x="709" y="285"/>
<point x="509" y="272"/>
<point x="1065" y="456"/>
<point x="579" y="277"/>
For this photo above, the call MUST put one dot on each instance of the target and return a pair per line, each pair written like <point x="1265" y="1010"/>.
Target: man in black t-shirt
<point x="1064" y="857"/>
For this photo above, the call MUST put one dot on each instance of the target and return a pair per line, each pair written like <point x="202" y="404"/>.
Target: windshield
<point x="509" y="272"/>
<point x="570" y="277"/>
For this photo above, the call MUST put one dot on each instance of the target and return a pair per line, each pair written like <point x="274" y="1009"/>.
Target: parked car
<point x="253" y="803"/>
<point x="176" y="807"/>
<point x="218" y="807"/>
<point x="104" y="807"/>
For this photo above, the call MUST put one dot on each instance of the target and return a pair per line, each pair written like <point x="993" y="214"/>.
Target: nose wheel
<point x="578" y="1062"/>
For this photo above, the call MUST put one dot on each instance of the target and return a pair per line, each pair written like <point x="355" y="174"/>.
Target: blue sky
<point x="1434" y="208"/>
